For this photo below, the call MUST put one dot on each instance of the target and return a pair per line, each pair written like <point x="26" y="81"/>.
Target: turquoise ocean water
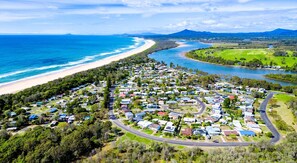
<point x="24" y="56"/>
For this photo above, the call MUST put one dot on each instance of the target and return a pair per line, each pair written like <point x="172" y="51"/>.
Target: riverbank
<point x="16" y="86"/>
<point x="184" y="55"/>
<point x="289" y="78"/>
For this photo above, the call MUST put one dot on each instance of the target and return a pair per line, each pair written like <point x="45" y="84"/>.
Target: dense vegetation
<point x="292" y="104"/>
<point x="291" y="78"/>
<point x="54" y="145"/>
<point x="263" y="151"/>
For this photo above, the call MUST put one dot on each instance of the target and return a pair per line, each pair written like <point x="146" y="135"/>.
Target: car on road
<point x="216" y="141"/>
<point x="112" y="117"/>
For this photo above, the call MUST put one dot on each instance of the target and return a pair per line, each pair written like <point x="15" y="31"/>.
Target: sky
<point x="139" y="16"/>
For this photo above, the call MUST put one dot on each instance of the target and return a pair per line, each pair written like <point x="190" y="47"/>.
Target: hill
<point x="283" y="33"/>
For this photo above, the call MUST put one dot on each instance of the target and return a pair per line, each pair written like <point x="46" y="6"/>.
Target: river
<point x="175" y="56"/>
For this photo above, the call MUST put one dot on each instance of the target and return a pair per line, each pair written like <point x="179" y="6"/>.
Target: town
<point x="171" y="103"/>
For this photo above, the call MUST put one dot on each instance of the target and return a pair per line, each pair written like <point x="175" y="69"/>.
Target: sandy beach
<point x="16" y="86"/>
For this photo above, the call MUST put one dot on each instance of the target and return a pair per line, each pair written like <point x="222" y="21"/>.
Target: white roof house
<point x="237" y="124"/>
<point x="189" y="120"/>
<point x="169" y="127"/>
<point x="144" y="124"/>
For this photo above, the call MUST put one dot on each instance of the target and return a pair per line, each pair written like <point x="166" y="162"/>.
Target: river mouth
<point x="175" y="56"/>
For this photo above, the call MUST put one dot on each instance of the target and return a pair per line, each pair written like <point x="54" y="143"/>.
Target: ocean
<point x="25" y="56"/>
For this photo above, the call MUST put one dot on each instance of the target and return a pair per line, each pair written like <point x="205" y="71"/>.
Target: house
<point x="12" y="114"/>
<point x="11" y="129"/>
<point x="171" y="102"/>
<point x="237" y="124"/>
<point x="125" y="101"/>
<point x="38" y="104"/>
<point x="187" y="132"/>
<point x="144" y="124"/>
<point x="162" y="122"/>
<point x="213" y="130"/>
<point x="217" y="106"/>
<point x="33" y="117"/>
<point x="155" y="127"/>
<point x="199" y="132"/>
<point x="152" y="106"/>
<point x="140" y="115"/>
<point x="169" y="128"/>
<point x="87" y="118"/>
<point x="62" y="117"/>
<point x="129" y="115"/>
<point x="26" y="108"/>
<point x="189" y="120"/>
<point x="71" y="119"/>
<point x="52" y="110"/>
<point x="253" y="126"/>
<point x="247" y="133"/>
<point x="230" y="132"/>
<point x="162" y="114"/>
<point x="209" y="119"/>
<point x="174" y="115"/>
<point x="54" y="123"/>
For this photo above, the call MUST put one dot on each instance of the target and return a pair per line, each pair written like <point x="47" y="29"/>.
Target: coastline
<point x="22" y="84"/>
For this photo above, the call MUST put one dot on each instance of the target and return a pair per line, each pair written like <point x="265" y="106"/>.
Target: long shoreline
<point x="19" y="85"/>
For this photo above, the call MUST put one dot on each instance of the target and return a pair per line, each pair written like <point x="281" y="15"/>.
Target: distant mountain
<point x="278" y="33"/>
<point x="142" y="34"/>
<point x="187" y="32"/>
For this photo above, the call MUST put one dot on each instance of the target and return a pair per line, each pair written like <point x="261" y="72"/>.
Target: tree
<point x="227" y="103"/>
<point x="273" y="102"/>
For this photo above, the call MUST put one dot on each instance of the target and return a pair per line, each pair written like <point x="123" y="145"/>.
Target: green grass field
<point x="132" y="137"/>
<point x="284" y="97"/>
<point x="264" y="55"/>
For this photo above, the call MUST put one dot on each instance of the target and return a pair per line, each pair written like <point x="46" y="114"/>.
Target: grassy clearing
<point x="284" y="97"/>
<point x="132" y="137"/>
<point x="264" y="55"/>
<point x="283" y="111"/>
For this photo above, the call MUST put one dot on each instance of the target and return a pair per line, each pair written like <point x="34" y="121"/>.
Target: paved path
<point x="263" y="108"/>
<point x="195" y="143"/>
<point x="202" y="107"/>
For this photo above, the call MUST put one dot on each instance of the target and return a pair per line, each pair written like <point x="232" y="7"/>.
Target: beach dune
<point x="16" y="86"/>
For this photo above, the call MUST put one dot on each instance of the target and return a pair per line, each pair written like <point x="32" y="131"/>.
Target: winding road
<point x="189" y="142"/>
<point x="263" y="108"/>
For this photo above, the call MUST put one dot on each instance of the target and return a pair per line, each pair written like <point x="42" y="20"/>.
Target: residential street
<point x="195" y="143"/>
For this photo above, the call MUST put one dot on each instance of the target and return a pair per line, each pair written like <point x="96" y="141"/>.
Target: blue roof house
<point x="247" y="133"/>
<point x="52" y="110"/>
<point x="33" y="117"/>
<point x="140" y="115"/>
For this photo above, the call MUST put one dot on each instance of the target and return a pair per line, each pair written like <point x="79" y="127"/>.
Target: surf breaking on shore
<point x="16" y="86"/>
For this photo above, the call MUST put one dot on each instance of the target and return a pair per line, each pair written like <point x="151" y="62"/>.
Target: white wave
<point x="137" y="42"/>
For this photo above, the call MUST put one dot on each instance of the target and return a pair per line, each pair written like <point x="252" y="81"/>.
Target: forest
<point x="55" y="145"/>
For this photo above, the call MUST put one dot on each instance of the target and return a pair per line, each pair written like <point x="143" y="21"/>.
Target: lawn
<point x="187" y="109"/>
<point x="132" y="137"/>
<point x="283" y="97"/>
<point x="148" y="131"/>
<point x="264" y="55"/>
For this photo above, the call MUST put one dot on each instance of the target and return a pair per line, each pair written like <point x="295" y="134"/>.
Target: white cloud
<point x="244" y="1"/>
